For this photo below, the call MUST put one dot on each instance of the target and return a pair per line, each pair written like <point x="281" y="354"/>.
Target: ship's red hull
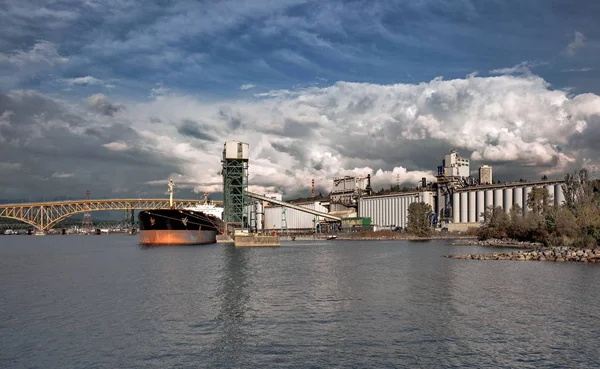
<point x="177" y="237"/>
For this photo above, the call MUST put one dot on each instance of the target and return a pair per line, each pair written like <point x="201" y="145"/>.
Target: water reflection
<point x="233" y="294"/>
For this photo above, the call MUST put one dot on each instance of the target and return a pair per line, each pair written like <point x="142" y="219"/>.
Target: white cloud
<point x="20" y="65"/>
<point x="365" y="128"/>
<point x="117" y="146"/>
<point x="5" y="118"/>
<point x="85" y="81"/>
<point x="62" y="175"/>
<point x="43" y="52"/>
<point x="159" y="91"/>
<point x="521" y="68"/>
<point x="100" y="103"/>
<point x="578" y="42"/>
<point x="247" y="86"/>
<point x="578" y="70"/>
<point x="9" y="166"/>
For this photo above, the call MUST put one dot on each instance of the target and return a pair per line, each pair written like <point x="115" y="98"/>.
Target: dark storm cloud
<point x="388" y="152"/>
<point x="192" y="129"/>
<point x="294" y="149"/>
<point x="295" y="128"/>
<point x="233" y="119"/>
<point x="589" y="137"/>
<point x="55" y="151"/>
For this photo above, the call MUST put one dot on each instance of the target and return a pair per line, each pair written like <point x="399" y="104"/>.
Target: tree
<point x="496" y="223"/>
<point x="419" y="219"/>
<point x="577" y="190"/>
<point x="566" y="223"/>
<point x="575" y="223"/>
<point x="517" y="228"/>
<point x="539" y="200"/>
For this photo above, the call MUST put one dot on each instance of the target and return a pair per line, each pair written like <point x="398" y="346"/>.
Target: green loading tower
<point x="235" y="183"/>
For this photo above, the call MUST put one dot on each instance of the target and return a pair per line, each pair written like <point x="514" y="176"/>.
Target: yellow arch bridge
<point x="45" y="215"/>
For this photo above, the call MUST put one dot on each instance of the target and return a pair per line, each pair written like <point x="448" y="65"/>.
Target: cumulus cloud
<point x="513" y="121"/>
<point x="517" y="123"/>
<point x="100" y="104"/>
<point x="577" y="43"/>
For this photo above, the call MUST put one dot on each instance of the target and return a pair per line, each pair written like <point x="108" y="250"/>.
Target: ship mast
<point x="171" y="184"/>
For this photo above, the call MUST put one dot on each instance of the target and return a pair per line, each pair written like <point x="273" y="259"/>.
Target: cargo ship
<point x="172" y="226"/>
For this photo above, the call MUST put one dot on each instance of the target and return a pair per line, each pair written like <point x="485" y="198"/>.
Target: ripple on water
<point x="103" y="302"/>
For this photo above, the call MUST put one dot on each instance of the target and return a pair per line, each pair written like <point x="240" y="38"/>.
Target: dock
<point x="254" y="240"/>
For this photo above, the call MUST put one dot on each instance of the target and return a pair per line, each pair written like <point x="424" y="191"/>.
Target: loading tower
<point x="235" y="183"/>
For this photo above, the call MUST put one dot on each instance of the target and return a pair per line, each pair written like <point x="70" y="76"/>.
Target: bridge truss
<point x="45" y="215"/>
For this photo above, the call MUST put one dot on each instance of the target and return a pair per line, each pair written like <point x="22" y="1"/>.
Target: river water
<point x="105" y="302"/>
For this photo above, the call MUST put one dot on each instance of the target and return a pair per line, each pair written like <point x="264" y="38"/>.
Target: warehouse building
<point x="391" y="211"/>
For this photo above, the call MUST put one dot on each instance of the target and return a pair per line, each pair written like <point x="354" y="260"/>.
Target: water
<point x="104" y="302"/>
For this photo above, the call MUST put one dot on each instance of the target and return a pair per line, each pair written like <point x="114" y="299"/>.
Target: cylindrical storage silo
<point x="456" y="207"/>
<point x="550" y="189"/>
<point x="464" y="207"/>
<point x="427" y="199"/>
<point x="407" y="205"/>
<point x="400" y="213"/>
<point x="518" y="197"/>
<point x="397" y="216"/>
<point x="472" y="208"/>
<point x="508" y="199"/>
<point x="498" y="200"/>
<point x="480" y="207"/>
<point x="489" y="199"/>
<point x="526" y="193"/>
<point x="559" y="196"/>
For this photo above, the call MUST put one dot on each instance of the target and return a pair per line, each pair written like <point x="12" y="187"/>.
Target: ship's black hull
<point x="177" y="227"/>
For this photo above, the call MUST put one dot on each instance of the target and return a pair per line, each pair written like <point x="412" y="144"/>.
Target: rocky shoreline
<point x="573" y="254"/>
<point x="498" y="243"/>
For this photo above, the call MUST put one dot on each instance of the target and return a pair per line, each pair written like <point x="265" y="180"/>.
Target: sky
<point x="118" y="96"/>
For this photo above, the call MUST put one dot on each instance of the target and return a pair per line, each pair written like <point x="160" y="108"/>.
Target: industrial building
<point x="471" y="202"/>
<point x="454" y="165"/>
<point x="457" y="199"/>
<point x="263" y="216"/>
<point x="485" y="175"/>
<point x="391" y="211"/>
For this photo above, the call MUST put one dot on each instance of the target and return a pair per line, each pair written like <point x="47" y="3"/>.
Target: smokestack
<point x="424" y="182"/>
<point x="368" y="188"/>
<point x="313" y="187"/>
